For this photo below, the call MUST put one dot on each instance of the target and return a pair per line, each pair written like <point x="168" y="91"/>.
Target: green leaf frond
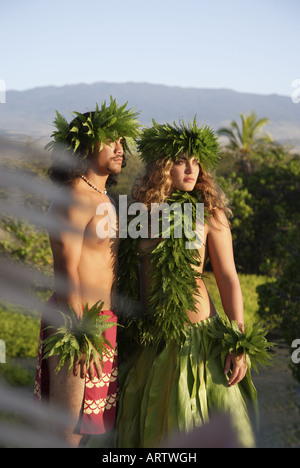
<point x="252" y="341"/>
<point x="79" y="337"/>
<point x="173" y="280"/>
<point x="165" y="140"/>
<point x="107" y="123"/>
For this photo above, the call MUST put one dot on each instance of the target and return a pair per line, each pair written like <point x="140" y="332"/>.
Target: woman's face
<point x="184" y="173"/>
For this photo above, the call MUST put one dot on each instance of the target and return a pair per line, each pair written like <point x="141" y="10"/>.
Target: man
<point x="85" y="265"/>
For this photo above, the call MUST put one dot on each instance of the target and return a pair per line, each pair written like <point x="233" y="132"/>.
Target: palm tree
<point x="247" y="139"/>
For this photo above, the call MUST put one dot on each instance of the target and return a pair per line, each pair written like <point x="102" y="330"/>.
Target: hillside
<point x="31" y="112"/>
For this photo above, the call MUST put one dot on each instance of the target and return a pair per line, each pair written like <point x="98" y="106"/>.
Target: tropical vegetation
<point x="262" y="178"/>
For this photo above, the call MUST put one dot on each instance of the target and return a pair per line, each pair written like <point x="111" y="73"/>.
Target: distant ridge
<point x="30" y="113"/>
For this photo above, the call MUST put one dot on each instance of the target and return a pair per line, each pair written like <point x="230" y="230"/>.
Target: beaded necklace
<point x="103" y="192"/>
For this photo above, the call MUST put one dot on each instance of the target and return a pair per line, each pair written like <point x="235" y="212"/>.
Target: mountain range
<point x="30" y="113"/>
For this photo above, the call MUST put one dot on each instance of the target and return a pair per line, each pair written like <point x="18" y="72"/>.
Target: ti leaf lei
<point x="79" y="337"/>
<point x="172" y="292"/>
<point x="173" y="281"/>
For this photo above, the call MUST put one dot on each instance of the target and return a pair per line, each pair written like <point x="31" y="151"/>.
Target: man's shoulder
<point x="112" y="201"/>
<point x="80" y="192"/>
<point x="70" y="198"/>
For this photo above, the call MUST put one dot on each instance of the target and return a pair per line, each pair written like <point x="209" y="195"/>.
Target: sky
<point x="248" y="46"/>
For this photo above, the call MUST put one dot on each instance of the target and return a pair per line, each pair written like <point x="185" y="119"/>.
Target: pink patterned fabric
<point x="101" y="395"/>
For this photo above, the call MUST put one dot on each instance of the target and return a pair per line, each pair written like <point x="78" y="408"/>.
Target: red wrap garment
<point x="100" y="395"/>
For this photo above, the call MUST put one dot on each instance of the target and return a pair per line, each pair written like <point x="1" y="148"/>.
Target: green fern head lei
<point x="106" y="124"/>
<point x="165" y="140"/>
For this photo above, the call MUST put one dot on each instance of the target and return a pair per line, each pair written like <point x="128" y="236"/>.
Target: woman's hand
<point x="238" y="366"/>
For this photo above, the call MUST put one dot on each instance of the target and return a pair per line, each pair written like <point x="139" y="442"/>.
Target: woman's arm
<point x="220" y="252"/>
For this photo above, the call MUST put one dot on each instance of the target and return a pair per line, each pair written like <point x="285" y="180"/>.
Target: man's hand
<point x="94" y="368"/>
<point x="239" y="367"/>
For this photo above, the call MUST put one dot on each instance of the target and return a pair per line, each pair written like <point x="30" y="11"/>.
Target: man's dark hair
<point x="67" y="166"/>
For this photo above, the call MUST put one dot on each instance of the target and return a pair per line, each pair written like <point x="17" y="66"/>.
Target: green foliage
<point x="279" y="300"/>
<point x="166" y="140"/>
<point x="105" y="123"/>
<point x="245" y="141"/>
<point x="173" y="281"/>
<point x="79" y="337"/>
<point x="16" y="375"/>
<point x="240" y="199"/>
<point x="266" y="204"/>
<point x="25" y="243"/>
<point x="249" y="284"/>
<point x="252" y="341"/>
<point x="20" y="332"/>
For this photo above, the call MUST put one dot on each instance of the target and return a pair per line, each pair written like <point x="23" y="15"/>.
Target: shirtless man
<point x="85" y="271"/>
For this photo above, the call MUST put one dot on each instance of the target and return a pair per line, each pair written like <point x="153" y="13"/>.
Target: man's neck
<point x="99" y="180"/>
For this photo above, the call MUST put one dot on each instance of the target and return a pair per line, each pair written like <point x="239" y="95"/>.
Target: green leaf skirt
<point x="177" y="388"/>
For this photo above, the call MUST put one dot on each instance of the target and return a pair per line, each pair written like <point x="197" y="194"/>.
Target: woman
<point x="180" y="375"/>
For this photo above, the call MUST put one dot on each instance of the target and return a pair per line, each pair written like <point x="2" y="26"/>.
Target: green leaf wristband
<point x="251" y="342"/>
<point x="79" y="337"/>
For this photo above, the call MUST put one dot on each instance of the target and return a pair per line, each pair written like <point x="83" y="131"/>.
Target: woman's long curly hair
<point x="155" y="186"/>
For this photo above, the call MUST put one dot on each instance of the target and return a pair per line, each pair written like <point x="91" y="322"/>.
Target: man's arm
<point x="66" y="246"/>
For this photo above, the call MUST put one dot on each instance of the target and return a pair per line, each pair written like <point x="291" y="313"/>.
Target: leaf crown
<point x="105" y="124"/>
<point x="165" y="140"/>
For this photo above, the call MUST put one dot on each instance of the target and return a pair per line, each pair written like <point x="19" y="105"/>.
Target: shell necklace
<point x="103" y="192"/>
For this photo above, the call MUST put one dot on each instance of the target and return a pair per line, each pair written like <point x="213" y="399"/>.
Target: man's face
<point x="109" y="159"/>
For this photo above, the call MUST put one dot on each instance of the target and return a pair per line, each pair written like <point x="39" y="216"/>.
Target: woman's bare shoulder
<point x="218" y="221"/>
